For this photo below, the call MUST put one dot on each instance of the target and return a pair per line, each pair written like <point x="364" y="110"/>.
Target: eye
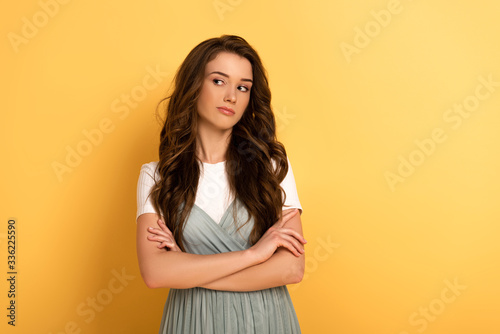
<point x="218" y="82"/>
<point x="243" y="88"/>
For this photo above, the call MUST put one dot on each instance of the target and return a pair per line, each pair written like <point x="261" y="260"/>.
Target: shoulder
<point x="150" y="165"/>
<point x="290" y="189"/>
<point x="289" y="179"/>
<point x="148" y="174"/>
<point x="273" y="161"/>
<point x="149" y="168"/>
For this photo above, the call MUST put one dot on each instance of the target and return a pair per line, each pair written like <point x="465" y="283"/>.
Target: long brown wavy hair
<point x="252" y="177"/>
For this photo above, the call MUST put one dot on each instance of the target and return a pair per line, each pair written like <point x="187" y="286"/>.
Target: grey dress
<point x="200" y="310"/>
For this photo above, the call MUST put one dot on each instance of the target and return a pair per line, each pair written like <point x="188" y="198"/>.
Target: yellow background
<point x="380" y="258"/>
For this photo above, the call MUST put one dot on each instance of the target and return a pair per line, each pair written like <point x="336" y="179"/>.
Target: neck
<point x="211" y="145"/>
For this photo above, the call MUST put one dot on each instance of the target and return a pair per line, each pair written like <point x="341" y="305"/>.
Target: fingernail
<point x="150" y="228"/>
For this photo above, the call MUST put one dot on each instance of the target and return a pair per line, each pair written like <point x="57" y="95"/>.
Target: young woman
<point x="217" y="218"/>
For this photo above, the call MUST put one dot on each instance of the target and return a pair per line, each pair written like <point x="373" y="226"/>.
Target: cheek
<point x="246" y="102"/>
<point x="203" y="99"/>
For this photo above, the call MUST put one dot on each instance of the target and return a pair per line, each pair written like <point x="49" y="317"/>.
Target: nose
<point x="230" y="95"/>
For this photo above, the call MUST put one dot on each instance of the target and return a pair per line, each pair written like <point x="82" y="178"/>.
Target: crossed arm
<point x="280" y="269"/>
<point x="231" y="271"/>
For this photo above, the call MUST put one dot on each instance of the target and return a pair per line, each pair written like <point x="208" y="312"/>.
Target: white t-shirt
<point x="213" y="194"/>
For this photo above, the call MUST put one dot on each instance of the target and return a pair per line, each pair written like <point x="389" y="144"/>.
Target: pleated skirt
<point x="200" y="310"/>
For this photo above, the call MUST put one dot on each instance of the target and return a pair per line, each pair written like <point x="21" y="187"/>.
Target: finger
<point x="295" y="243"/>
<point x="157" y="231"/>
<point x="175" y="248"/>
<point x="294" y="233"/>
<point x="288" y="245"/>
<point x="170" y="245"/>
<point x="159" y="239"/>
<point x="164" y="227"/>
<point x="152" y="238"/>
<point x="168" y="239"/>
<point x="165" y="244"/>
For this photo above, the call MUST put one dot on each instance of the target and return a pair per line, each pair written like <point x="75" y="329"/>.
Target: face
<point x="225" y="92"/>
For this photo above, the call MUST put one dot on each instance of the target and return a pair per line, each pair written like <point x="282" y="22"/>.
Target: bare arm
<point x="164" y="269"/>
<point x="280" y="269"/>
<point x="168" y="269"/>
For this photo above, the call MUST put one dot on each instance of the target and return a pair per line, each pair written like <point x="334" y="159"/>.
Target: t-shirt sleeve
<point x="288" y="185"/>
<point x="144" y="185"/>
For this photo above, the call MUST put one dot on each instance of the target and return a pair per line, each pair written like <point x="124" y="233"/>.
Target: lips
<point x="226" y="110"/>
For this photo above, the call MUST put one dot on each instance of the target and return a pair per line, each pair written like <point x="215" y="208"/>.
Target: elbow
<point x="294" y="269"/>
<point x="298" y="275"/>
<point x="150" y="282"/>
<point x="294" y="274"/>
<point x="155" y="284"/>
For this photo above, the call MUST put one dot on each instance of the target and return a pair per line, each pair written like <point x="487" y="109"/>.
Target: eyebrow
<point x="227" y="76"/>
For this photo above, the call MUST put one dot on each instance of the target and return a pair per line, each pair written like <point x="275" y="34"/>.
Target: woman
<point x="228" y="238"/>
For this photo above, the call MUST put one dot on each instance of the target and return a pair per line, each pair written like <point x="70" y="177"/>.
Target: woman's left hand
<point x="163" y="236"/>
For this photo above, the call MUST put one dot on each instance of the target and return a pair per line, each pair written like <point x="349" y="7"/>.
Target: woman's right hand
<point x="278" y="236"/>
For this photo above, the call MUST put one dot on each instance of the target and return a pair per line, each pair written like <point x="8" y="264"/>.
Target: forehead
<point x="231" y="64"/>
